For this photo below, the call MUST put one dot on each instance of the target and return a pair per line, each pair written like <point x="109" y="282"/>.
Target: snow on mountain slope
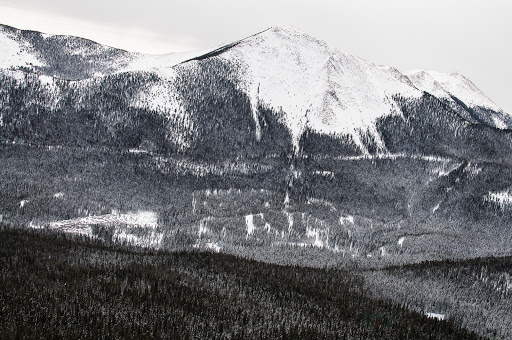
<point x="315" y="85"/>
<point x="59" y="56"/>
<point x="444" y="86"/>
<point x="309" y="84"/>
<point x="462" y="88"/>
<point x="425" y="82"/>
<point x="13" y="53"/>
<point x="34" y="50"/>
<point x="161" y="64"/>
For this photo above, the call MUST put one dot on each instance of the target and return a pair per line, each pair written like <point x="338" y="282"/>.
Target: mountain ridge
<point x="284" y="30"/>
<point x="307" y="84"/>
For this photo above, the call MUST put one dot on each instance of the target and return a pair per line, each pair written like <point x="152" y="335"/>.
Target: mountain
<point x="313" y="90"/>
<point x="277" y="142"/>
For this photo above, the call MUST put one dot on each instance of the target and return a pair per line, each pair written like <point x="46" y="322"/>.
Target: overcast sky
<point x="472" y="37"/>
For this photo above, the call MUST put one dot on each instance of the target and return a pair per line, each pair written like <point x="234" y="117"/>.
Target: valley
<point x="367" y="210"/>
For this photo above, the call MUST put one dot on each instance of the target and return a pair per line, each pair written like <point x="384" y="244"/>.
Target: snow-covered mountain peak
<point x="290" y="37"/>
<point x="445" y="85"/>
<point x="315" y="85"/>
<point x="286" y="30"/>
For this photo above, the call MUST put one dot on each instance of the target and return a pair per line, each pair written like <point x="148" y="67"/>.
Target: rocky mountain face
<point x="288" y="142"/>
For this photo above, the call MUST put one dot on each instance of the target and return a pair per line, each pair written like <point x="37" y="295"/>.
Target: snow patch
<point x="502" y="199"/>
<point x="436" y="207"/>
<point x="435" y="316"/>
<point x="138" y="151"/>
<point x="401" y="241"/>
<point x="349" y="219"/>
<point x="286" y="199"/>
<point x="151" y="240"/>
<point x="472" y="169"/>
<point x="203" y="226"/>
<point x="158" y="97"/>
<point x="328" y="204"/>
<point x="327" y="174"/>
<point x="148" y="219"/>
<point x="315" y="233"/>
<point x="249" y="222"/>
<point x="213" y="246"/>
<point x="498" y="122"/>
<point x="125" y="227"/>
<point x="289" y="217"/>
<point x="145" y="219"/>
<point x="390" y="156"/>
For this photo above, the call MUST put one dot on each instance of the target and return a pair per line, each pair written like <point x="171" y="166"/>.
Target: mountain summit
<point x="319" y="87"/>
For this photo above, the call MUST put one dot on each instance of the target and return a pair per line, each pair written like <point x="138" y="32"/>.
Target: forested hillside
<point x="474" y="293"/>
<point x="54" y="287"/>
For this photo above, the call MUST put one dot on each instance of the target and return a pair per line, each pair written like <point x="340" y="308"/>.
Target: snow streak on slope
<point x="315" y="85"/>
<point x="145" y="219"/>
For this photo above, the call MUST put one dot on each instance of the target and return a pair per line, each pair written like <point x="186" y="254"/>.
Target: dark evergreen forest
<point x="474" y="293"/>
<point x="53" y="287"/>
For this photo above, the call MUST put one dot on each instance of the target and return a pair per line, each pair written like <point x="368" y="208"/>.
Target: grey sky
<point x="471" y="37"/>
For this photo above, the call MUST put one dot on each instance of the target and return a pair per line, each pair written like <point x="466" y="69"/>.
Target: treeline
<point x="54" y="287"/>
